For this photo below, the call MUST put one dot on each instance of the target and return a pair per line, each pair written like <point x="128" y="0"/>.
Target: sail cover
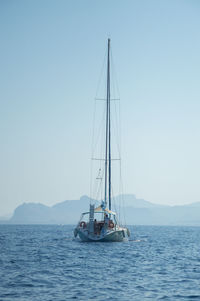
<point x="98" y="209"/>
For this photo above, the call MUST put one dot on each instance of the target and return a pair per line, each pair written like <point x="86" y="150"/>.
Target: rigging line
<point x="118" y="213"/>
<point x="95" y="191"/>
<point x="116" y="135"/>
<point x="113" y="79"/>
<point x="112" y="84"/>
<point x="99" y="189"/>
<point x="98" y="186"/>
<point x="104" y="99"/>
<point x="117" y="119"/>
<point x="94" y="116"/>
<point x="102" y="163"/>
<point x="117" y="123"/>
<point x="120" y="166"/>
<point x="99" y="132"/>
<point x="92" y="147"/>
<point x="118" y="127"/>
<point x="114" y="72"/>
<point x="99" y="159"/>
<point x="114" y="201"/>
<point x="118" y="132"/>
<point x="122" y="188"/>
<point x="115" y="131"/>
<point x="101" y="73"/>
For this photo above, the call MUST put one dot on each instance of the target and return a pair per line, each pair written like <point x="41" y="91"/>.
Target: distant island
<point x="136" y="211"/>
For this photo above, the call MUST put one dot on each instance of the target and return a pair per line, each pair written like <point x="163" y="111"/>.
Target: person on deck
<point x="106" y="220"/>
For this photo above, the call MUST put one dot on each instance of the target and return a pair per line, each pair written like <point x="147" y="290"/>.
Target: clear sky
<point x="51" y="54"/>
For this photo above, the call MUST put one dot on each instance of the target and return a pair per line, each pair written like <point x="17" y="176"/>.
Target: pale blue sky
<point x="51" y="54"/>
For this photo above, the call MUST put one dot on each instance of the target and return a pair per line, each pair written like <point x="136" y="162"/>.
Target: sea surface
<point x="41" y="262"/>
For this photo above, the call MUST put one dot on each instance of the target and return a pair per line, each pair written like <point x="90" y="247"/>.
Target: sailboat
<point x="101" y="224"/>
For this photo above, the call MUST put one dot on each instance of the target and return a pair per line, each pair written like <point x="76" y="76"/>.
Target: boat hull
<point x="112" y="236"/>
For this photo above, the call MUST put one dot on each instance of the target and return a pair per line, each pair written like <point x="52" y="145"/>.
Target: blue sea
<point x="44" y="263"/>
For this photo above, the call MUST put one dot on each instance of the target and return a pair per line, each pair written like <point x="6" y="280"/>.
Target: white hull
<point x="118" y="235"/>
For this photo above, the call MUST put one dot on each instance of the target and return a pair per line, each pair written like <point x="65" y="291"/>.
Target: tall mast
<point x="108" y="136"/>
<point x="109" y="133"/>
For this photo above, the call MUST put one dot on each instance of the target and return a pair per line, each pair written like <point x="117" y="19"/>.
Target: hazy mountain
<point x="130" y="200"/>
<point x="136" y="211"/>
<point x="67" y="212"/>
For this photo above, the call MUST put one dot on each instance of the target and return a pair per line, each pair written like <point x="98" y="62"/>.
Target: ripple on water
<point x="46" y="263"/>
